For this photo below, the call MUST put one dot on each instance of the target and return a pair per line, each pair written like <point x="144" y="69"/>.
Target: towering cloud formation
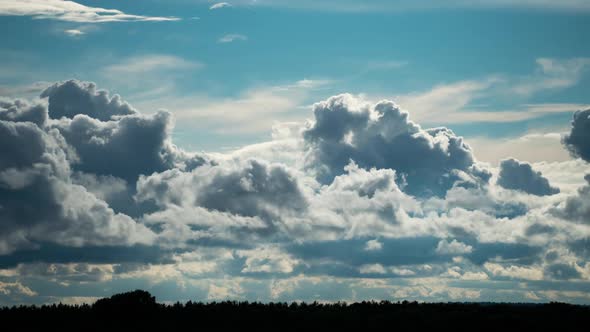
<point x="72" y="97"/>
<point x="109" y="136"/>
<point x="430" y="160"/>
<point x="578" y="140"/>
<point x="518" y="175"/>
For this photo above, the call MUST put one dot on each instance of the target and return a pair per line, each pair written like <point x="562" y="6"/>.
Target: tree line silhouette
<point x="139" y="311"/>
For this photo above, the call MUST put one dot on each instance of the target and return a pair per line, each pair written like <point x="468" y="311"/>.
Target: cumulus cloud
<point x="429" y="161"/>
<point x="368" y="203"/>
<point x="67" y="99"/>
<point x="577" y="207"/>
<point x="36" y="170"/>
<point x="22" y="111"/>
<point x="453" y="248"/>
<point x="70" y="11"/>
<point x="245" y="198"/>
<point x="519" y="175"/>
<point x="577" y="141"/>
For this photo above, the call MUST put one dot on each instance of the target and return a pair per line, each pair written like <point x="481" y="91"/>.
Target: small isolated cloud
<point x="373" y="245"/>
<point x="517" y="175"/>
<point x="453" y="248"/>
<point x="70" y="11"/>
<point x="74" y="32"/>
<point x="232" y="37"/>
<point x="220" y="5"/>
<point x="372" y="269"/>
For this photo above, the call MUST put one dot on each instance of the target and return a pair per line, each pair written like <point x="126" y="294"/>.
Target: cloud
<point x="577" y="207"/>
<point x="429" y="161"/>
<point x="70" y="11"/>
<point x="220" y="5"/>
<point x="149" y="63"/>
<point x="519" y="175"/>
<point x="453" y="248"/>
<point x="74" y="32"/>
<point x="358" y="203"/>
<point x="258" y="193"/>
<point x="373" y="245"/>
<point x="465" y="101"/>
<point x="22" y="111"/>
<point x="260" y="107"/>
<point x="534" y="147"/>
<point x="67" y="99"/>
<point x="232" y="37"/>
<point x="36" y="169"/>
<point x="105" y="131"/>
<point x="577" y="141"/>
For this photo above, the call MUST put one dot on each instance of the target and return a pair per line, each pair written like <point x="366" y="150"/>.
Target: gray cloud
<point x="39" y="203"/>
<point x="125" y="148"/>
<point x="67" y="99"/>
<point x="577" y="207"/>
<point x="429" y="160"/>
<point x="577" y="141"/>
<point x="87" y="179"/>
<point x="252" y="189"/>
<point x="21" y="111"/>
<point x="108" y="135"/>
<point x="519" y="175"/>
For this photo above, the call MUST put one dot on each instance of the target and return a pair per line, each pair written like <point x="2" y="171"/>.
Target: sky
<point x="295" y="151"/>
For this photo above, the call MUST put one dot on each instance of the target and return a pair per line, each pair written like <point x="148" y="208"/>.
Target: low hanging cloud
<point x="518" y="175"/>
<point x="70" y="11"/>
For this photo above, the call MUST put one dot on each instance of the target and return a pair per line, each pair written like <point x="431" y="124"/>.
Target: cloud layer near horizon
<point x="371" y="206"/>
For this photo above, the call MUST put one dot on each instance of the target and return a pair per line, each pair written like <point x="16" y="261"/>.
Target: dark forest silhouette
<point x="139" y="311"/>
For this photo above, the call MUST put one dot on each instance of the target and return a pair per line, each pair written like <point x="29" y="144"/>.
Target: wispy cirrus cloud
<point x="70" y="11"/>
<point x="151" y="73"/>
<point x="230" y="38"/>
<point x="457" y="102"/>
<point x="220" y="5"/>
<point x="150" y="63"/>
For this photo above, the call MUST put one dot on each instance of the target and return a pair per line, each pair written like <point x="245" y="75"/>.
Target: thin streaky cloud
<point x="220" y="5"/>
<point x="232" y="38"/>
<point x="70" y="11"/>
<point x="74" y="32"/>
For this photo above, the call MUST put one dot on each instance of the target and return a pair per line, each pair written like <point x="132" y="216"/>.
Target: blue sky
<point x="247" y="83"/>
